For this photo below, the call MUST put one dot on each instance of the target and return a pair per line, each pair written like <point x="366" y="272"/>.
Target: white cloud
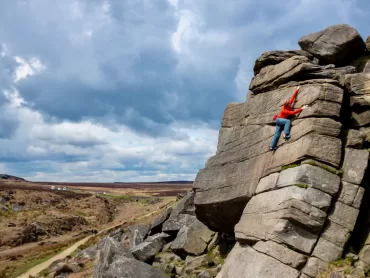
<point x="104" y="149"/>
<point x="27" y="68"/>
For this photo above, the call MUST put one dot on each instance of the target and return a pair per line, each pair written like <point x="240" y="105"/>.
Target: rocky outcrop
<point x="293" y="210"/>
<point x="338" y="44"/>
<point x="275" y="57"/>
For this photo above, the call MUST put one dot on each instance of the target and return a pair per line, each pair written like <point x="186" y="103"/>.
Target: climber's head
<point x="286" y="104"/>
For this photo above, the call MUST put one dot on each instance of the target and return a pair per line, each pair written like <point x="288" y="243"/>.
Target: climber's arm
<point x="294" y="96"/>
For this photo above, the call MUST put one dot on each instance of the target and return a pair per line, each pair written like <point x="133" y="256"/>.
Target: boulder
<point x="295" y="68"/>
<point x="337" y="44"/>
<point x="146" y="251"/>
<point x="282" y="216"/>
<point x="157" y="224"/>
<point x="67" y="268"/>
<point x="281" y="253"/>
<point x="355" y="165"/>
<point x="368" y="43"/>
<point x="174" y="224"/>
<point x="244" y="261"/>
<point x="109" y="250"/>
<point x="124" y="267"/>
<point x="185" y="206"/>
<point x="192" y="240"/>
<point x="138" y="233"/>
<point x="275" y="57"/>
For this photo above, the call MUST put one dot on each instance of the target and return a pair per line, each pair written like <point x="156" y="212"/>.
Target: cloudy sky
<point x="135" y="90"/>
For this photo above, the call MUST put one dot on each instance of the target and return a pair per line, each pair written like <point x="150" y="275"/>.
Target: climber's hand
<point x="298" y="88"/>
<point x="304" y="106"/>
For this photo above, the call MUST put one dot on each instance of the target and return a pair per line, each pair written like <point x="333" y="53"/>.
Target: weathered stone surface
<point x="366" y="133"/>
<point x="174" y="224"/>
<point x="327" y="251"/>
<point x="313" y="176"/>
<point x="337" y="44"/>
<point x="267" y="183"/>
<point x="185" y="206"/>
<point x="146" y="251"/>
<point x="243" y="261"/>
<point x="359" y="102"/>
<point x="355" y="165"/>
<point x="348" y="193"/>
<point x="157" y="224"/>
<point x="138" y="233"/>
<point x="358" y="199"/>
<point x="355" y="139"/>
<point x="317" y="198"/>
<point x="294" y="69"/>
<point x="367" y="43"/>
<point x="223" y="191"/>
<point x="364" y="255"/>
<point x="275" y="57"/>
<point x="344" y="215"/>
<point x="336" y="234"/>
<point x="274" y="216"/>
<point x="192" y="240"/>
<point x="358" y="83"/>
<point x="361" y="118"/>
<point x="260" y="108"/>
<point x="195" y="263"/>
<point x="281" y="253"/>
<point x="233" y="114"/>
<point x="314" y="266"/>
<point x="108" y="251"/>
<point x="128" y="268"/>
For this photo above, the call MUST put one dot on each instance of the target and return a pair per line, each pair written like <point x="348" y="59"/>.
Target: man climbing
<point x="283" y="120"/>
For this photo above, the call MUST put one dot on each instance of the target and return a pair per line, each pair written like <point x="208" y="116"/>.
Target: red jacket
<point x="287" y="111"/>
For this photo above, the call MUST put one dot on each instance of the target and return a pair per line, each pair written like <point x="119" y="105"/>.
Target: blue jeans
<point x="281" y="124"/>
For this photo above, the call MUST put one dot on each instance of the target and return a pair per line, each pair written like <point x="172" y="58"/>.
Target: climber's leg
<point x="278" y="130"/>
<point x="286" y="129"/>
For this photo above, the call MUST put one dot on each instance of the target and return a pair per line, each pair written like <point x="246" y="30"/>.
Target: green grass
<point x="119" y="197"/>
<point x="302" y="185"/>
<point x="285" y="167"/>
<point x="31" y="264"/>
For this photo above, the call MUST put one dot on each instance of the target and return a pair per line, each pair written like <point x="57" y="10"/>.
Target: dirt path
<point x="38" y="268"/>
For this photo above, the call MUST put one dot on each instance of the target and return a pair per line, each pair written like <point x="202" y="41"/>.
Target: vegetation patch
<point x="285" y="167"/>
<point x="360" y="63"/>
<point x="303" y="185"/>
<point x="339" y="266"/>
<point x="322" y="166"/>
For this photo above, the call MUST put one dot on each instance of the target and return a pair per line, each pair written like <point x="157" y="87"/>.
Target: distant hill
<point x="162" y="182"/>
<point x="9" y="177"/>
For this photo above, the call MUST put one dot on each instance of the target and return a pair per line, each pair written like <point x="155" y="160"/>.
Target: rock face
<point x="338" y="44"/>
<point x="292" y="210"/>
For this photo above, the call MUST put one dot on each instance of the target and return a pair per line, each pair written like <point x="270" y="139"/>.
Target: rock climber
<point x="283" y="120"/>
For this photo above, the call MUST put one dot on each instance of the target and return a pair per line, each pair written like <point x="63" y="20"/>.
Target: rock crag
<point x="293" y="211"/>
